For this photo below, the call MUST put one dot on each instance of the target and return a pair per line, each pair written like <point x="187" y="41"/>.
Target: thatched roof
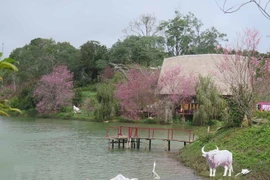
<point x="204" y="64"/>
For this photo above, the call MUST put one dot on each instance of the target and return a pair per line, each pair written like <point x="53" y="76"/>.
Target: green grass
<point x="250" y="148"/>
<point x="86" y="94"/>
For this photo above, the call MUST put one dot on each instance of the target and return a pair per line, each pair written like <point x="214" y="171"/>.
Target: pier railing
<point x="169" y="134"/>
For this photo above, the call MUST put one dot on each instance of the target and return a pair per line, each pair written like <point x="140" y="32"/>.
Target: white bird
<point x="243" y="172"/>
<point x="156" y="176"/>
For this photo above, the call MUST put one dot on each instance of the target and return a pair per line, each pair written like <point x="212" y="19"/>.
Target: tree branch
<point x="236" y="8"/>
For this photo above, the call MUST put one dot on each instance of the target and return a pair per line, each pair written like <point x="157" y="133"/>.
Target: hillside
<point x="250" y="148"/>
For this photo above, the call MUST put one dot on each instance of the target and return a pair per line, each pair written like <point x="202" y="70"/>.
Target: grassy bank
<point x="250" y="148"/>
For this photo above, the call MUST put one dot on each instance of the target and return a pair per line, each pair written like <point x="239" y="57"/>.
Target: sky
<point x="79" y="21"/>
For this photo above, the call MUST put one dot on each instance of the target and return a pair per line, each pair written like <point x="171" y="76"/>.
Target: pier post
<point x="133" y="143"/>
<point x="138" y="143"/>
<point x="149" y="144"/>
<point x="169" y="145"/>
<point x="112" y="144"/>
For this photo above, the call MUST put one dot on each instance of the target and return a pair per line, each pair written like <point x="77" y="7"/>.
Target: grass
<point x="249" y="146"/>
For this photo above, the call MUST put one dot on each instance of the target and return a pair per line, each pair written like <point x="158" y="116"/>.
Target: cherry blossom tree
<point x="178" y="88"/>
<point x="107" y="73"/>
<point x="244" y="70"/>
<point x="54" y="90"/>
<point x="177" y="85"/>
<point x="137" y="92"/>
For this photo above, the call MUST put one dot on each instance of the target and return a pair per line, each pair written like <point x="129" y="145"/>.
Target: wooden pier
<point x="130" y="137"/>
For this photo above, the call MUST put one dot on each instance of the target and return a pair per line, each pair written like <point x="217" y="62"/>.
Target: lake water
<point x="43" y="149"/>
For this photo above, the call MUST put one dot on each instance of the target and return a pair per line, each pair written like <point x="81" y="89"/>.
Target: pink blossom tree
<point x="177" y="85"/>
<point x="54" y="90"/>
<point x="107" y="73"/>
<point x="243" y="71"/>
<point x="137" y="92"/>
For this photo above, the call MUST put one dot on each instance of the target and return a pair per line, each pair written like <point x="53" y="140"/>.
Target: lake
<point x="50" y="149"/>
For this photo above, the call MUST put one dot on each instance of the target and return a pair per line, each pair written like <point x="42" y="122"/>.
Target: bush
<point x="235" y="116"/>
<point x="262" y="114"/>
<point x="77" y="96"/>
<point x="63" y="115"/>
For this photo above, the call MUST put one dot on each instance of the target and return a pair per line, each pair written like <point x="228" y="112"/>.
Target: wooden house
<point x="203" y="64"/>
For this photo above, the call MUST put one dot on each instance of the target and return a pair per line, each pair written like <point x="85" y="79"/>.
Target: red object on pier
<point x="169" y="134"/>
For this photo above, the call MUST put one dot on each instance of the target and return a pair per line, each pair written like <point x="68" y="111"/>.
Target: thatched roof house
<point x="204" y="64"/>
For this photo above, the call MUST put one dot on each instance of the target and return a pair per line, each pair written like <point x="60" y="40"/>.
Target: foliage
<point x="107" y="106"/>
<point x="24" y="100"/>
<point x="236" y="116"/>
<point x="89" y="104"/>
<point x="77" y="100"/>
<point x="54" y="90"/>
<point x="262" y="114"/>
<point x="248" y="146"/>
<point x="209" y="100"/>
<point x="93" y="59"/>
<point x="137" y="92"/>
<point x="206" y="41"/>
<point x="183" y="35"/>
<point x="39" y="57"/>
<point x="244" y="72"/>
<point x="107" y="73"/>
<point x="143" y="50"/>
<point x="6" y="64"/>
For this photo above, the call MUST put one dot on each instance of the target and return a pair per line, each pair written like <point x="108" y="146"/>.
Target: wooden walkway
<point x="130" y="137"/>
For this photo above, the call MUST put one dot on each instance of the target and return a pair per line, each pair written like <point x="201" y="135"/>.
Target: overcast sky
<point x="78" y="21"/>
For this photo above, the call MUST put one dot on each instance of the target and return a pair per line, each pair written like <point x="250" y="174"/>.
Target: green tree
<point x="206" y="41"/>
<point x="179" y="33"/>
<point x="183" y="35"/>
<point x="107" y="106"/>
<point x="39" y="57"/>
<point x="143" y="50"/>
<point x="210" y="103"/>
<point x="93" y="59"/>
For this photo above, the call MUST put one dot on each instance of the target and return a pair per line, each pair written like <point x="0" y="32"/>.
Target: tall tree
<point x="206" y="41"/>
<point x="94" y="58"/>
<point x="210" y="103"/>
<point x="54" y="90"/>
<point x="179" y="33"/>
<point x="39" y="57"/>
<point x="146" y="51"/>
<point x="144" y="25"/>
<point x="244" y="71"/>
<point x="183" y="35"/>
<point x="107" y="106"/>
